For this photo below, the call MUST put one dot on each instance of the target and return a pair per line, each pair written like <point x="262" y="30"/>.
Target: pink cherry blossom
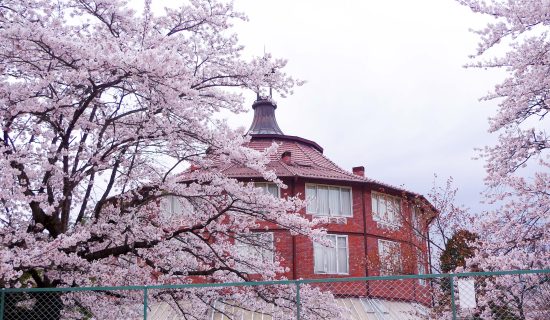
<point x="103" y="110"/>
<point x="516" y="235"/>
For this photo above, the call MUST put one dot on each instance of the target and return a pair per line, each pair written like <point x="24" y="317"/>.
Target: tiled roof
<point x="307" y="161"/>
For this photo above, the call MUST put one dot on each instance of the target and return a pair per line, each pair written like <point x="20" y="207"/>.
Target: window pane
<point x="416" y="219"/>
<point x="346" y="202"/>
<point x="386" y="208"/>
<point x="342" y="242"/>
<point x="396" y="211"/>
<point x="318" y="257"/>
<point x="322" y="200"/>
<point x="172" y="206"/>
<point x="311" y="197"/>
<point x="273" y="189"/>
<point x="165" y="207"/>
<point x="265" y="245"/>
<point x="420" y="261"/>
<point x="390" y="210"/>
<point x="390" y="257"/>
<point x="382" y="252"/>
<point x="257" y="245"/>
<point x="395" y="253"/>
<point x="382" y="208"/>
<point x="268" y="187"/>
<point x="342" y="253"/>
<point x="396" y="265"/>
<point x="331" y="257"/>
<point x="241" y="247"/>
<point x="343" y="260"/>
<point x="268" y="256"/>
<point x="334" y="201"/>
<point x="375" y="206"/>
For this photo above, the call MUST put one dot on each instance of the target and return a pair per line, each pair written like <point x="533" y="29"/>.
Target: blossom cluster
<point x="106" y="112"/>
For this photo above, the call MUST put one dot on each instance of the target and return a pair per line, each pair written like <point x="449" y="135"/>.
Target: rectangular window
<point x="386" y="209"/>
<point x="332" y="260"/>
<point x="420" y="265"/>
<point x="257" y="245"/>
<point x="173" y="206"/>
<point x="328" y="200"/>
<point x="268" y="187"/>
<point x="389" y="253"/>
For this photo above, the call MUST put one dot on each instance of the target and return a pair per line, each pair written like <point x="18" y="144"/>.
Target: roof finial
<point x="271" y="86"/>
<point x="267" y="78"/>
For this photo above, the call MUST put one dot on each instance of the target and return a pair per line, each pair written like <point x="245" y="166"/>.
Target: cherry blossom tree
<point x="451" y="218"/>
<point x="103" y="109"/>
<point x="515" y="236"/>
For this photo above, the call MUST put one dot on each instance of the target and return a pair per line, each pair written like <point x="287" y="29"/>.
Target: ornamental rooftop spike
<point x="264" y="121"/>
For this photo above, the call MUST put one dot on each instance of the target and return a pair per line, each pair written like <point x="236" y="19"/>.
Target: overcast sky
<point x="386" y="87"/>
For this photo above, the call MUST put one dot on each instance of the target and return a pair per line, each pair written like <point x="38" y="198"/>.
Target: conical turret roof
<point x="264" y="121"/>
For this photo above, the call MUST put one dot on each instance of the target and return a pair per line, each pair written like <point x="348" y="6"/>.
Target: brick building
<point x="377" y="229"/>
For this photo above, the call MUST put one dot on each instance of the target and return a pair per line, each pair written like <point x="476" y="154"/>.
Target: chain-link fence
<point x="502" y="295"/>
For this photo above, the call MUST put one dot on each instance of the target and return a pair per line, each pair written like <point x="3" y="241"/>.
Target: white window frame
<point x="319" y="249"/>
<point x="315" y="212"/>
<point x="384" y="259"/>
<point x="263" y="253"/>
<point x="385" y="219"/>
<point x="264" y="186"/>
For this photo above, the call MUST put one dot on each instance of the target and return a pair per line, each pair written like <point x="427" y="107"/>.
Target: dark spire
<point x="264" y="121"/>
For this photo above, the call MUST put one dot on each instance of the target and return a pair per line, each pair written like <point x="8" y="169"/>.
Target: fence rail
<point x="502" y="295"/>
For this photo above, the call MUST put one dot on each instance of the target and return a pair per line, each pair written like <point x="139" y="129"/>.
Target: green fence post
<point x="144" y="303"/>
<point x="453" y="302"/>
<point x="2" y="297"/>
<point x="298" y="300"/>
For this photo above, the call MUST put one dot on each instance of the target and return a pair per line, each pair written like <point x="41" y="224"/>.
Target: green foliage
<point x="458" y="249"/>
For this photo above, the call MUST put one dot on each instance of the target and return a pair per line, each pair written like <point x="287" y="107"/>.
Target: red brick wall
<point x="363" y="234"/>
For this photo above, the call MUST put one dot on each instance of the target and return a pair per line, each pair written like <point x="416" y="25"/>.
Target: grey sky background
<point x="386" y="87"/>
